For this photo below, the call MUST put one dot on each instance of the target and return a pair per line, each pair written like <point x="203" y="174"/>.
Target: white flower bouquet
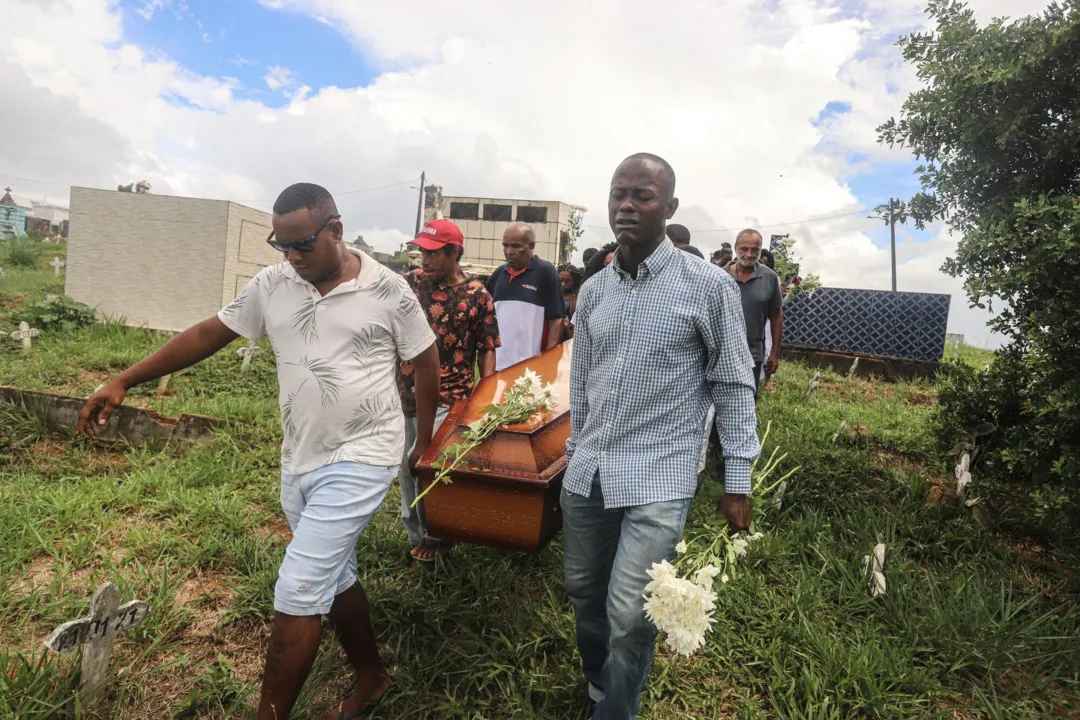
<point x="525" y="398"/>
<point x="680" y="600"/>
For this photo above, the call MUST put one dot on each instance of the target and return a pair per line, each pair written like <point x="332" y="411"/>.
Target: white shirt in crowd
<point x="336" y="358"/>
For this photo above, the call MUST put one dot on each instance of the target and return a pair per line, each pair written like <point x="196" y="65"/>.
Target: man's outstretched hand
<point x="736" y="508"/>
<point x="99" y="408"/>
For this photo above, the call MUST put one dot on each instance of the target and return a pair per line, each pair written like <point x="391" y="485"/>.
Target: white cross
<point x="778" y="497"/>
<point x="811" y="387"/>
<point x="963" y="475"/>
<point x="839" y="431"/>
<point x="875" y="565"/>
<point x="107" y="617"/>
<point x="3" y="272"/>
<point x="247" y="353"/>
<point x="56" y="264"/>
<point x="24" y="333"/>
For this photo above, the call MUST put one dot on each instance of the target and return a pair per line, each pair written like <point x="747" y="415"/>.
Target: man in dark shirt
<point x="761" y="301"/>
<point x="528" y="299"/>
<point x="462" y="315"/>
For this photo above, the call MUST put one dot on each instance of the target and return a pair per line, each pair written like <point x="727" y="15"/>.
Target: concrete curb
<point x="131" y="425"/>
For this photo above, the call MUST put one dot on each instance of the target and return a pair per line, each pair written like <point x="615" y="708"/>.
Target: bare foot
<point x="428" y="550"/>
<point x="367" y="693"/>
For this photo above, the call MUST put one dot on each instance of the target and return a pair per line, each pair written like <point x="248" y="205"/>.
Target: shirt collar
<point x="659" y="259"/>
<point x="368" y="272"/>
<point x="514" y="274"/>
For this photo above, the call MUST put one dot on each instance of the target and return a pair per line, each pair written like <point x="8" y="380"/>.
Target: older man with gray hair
<point x="762" y="301"/>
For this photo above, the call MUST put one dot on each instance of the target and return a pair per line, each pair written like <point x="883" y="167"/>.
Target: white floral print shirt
<point x="336" y="358"/>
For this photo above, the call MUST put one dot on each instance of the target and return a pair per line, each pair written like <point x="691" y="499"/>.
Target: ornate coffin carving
<point x="506" y="494"/>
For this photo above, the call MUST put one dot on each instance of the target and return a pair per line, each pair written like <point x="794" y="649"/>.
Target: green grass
<point x="974" y="356"/>
<point x="974" y="624"/>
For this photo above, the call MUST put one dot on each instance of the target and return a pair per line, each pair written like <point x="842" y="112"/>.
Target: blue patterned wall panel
<point x="869" y="322"/>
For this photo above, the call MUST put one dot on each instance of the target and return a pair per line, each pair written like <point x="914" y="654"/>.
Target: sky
<point x="766" y="110"/>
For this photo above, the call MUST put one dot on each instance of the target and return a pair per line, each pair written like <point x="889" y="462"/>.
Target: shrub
<point x="59" y="313"/>
<point x="995" y="127"/>
<point x="22" y="254"/>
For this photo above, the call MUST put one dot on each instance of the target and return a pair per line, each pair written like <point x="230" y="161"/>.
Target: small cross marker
<point x="24" y="333"/>
<point x="3" y="273"/>
<point x="95" y="631"/>
<point x="56" y="264"/>
<point x="247" y="353"/>
<point x="874" y="564"/>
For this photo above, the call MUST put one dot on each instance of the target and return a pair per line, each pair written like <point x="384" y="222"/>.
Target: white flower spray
<point x="525" y="398"/>
<point x="683" y="609"/>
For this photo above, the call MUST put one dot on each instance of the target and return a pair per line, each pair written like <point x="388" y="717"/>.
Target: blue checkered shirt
<point x="650" y="356"/>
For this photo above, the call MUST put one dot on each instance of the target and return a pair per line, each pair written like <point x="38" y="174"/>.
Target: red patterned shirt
<point x="463" y="319"/>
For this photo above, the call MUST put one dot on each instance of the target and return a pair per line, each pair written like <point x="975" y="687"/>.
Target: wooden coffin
<point x="505" y="494"/>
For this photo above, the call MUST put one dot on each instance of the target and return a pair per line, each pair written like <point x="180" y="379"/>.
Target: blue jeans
<point x="606" y="556"/>
<point x="327" y="510"/>
<point x="413" y="517"/>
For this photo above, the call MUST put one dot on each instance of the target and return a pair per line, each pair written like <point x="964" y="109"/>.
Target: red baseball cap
<point x="439" y="233"/>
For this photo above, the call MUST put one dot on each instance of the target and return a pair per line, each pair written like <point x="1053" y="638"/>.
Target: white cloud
<point x="728" y="92"/>
<point x="278" y="77"/>
<point x="149" y="8"/>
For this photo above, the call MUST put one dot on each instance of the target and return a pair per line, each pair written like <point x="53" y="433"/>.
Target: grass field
<point x="975" y="623"/>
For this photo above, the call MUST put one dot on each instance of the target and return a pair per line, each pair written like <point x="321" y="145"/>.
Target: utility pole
<point x="892" y="241"/>
<point x="420" y="216"/>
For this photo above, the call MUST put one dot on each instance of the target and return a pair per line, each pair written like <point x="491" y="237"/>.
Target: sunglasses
<point x="304" y="244"/>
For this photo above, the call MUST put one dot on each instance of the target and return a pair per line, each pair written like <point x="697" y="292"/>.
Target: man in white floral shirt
<point x="338" y="322"/>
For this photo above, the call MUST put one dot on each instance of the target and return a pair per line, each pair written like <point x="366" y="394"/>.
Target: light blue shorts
<point x="327" y="510"/>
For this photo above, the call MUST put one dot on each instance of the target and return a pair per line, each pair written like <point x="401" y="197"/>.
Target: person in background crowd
<point x="587" y="256"/>
<point x="722" y="257"/>
<point x="570" y="278"/>
<point x="528" y="299"/>
<point x="679" y="235"/>
<point x="692" y="250"/>
<point x="462" y="315"/>
<point x="642" y="380"/>
<point x="338" y="322"/>
<point x="768" y="261"/>
<point x="600" y="260"/>
<point x="761" y="301"/>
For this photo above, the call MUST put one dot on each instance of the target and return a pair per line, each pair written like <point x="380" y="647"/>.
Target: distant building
<point x="159" y="261"/>
<point x="483" y="221"/>
<point x="12" y="216"/>
<point x="55" y="214"/>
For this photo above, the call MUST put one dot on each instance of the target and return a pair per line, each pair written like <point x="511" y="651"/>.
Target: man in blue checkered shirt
<point x="659" y="338"/>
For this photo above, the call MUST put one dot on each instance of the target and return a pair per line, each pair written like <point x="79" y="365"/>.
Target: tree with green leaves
<point x="570" y="236"/>
<point x="996" y="127"/>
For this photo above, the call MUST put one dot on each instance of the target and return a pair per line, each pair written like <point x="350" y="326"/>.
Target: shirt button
<point x="612" y="392"/>
<point x="603" y="453"/>
<point x="618" y="359"/>
<point x="626" y="324"/>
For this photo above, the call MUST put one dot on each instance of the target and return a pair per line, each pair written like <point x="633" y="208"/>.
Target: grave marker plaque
<point x="24" y="334"/>
<point x="95" y="632"/>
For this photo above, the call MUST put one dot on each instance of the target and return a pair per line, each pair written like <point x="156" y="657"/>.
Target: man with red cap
<point x="462" y="315"/>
